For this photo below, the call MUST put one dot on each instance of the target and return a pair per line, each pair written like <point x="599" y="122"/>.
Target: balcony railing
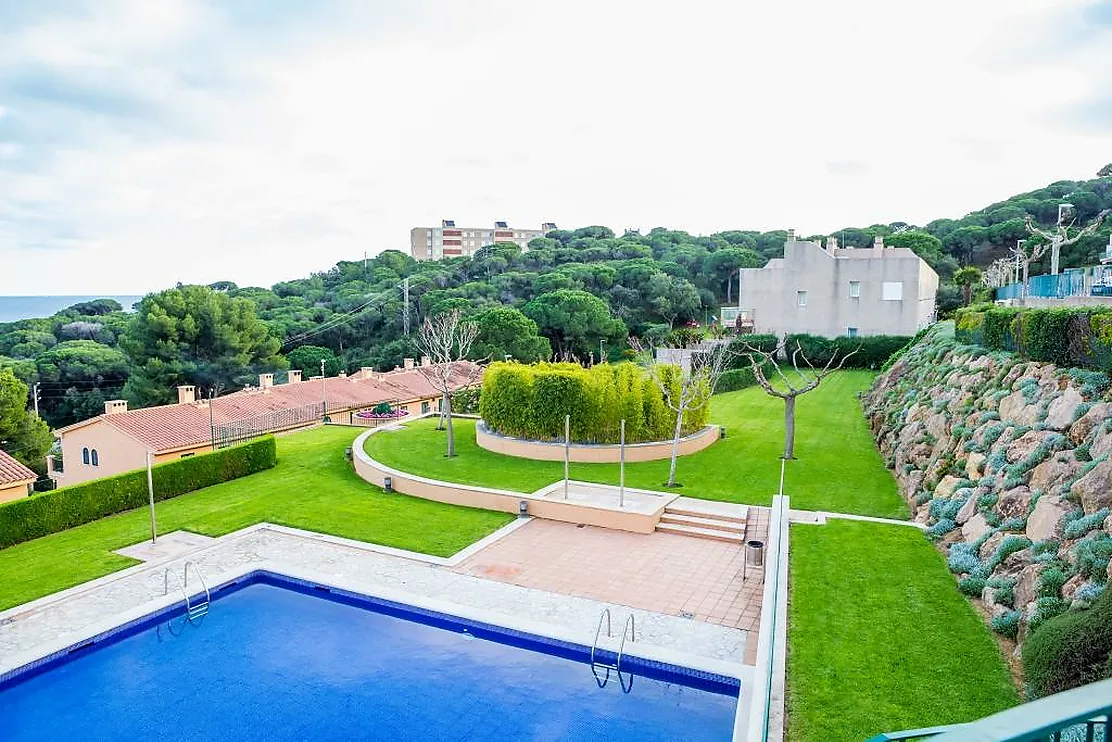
<point x="1080" y="715"/>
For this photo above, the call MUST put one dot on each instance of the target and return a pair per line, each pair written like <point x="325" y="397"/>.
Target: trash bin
<point x="388" y="484"/>
<point x="754" y="553"/>
<point x="347" y="453"/>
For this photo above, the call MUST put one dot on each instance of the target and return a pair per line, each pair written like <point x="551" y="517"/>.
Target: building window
<point x="852" y="332"/>
<point x="85" y="456"/>
<point x="96" y="459"/>
<point x="855" y="289"/>
<point x="424" y="407"/>
<point x="801" y="298"/>
<point x="892" y="291"/>
<point x="187" y="455"/>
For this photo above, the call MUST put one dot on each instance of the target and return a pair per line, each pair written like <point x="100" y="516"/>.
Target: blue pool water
<point x="274" y="663"/>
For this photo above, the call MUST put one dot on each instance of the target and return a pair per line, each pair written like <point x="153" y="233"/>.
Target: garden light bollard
<point x="567" y="451"/>
<point x="150" y="492"/>
<point x="622" y="468"/>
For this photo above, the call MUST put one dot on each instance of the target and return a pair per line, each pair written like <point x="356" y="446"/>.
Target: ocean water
<point x="27" y="307"/>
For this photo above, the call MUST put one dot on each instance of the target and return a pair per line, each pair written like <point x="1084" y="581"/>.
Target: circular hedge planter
<point x="587" y="453"/>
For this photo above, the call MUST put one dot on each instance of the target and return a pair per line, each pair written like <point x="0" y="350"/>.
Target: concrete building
<point x="832" y="291"/>
<point x="450" y="241"/>
<point x="120" y="439"/>
<point x="16" y="479"/>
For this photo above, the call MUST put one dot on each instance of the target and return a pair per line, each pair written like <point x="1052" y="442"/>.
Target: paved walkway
<point x="664" y="573"/>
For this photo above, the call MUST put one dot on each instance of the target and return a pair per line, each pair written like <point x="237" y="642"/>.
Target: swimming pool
<point x="281" y="659"/>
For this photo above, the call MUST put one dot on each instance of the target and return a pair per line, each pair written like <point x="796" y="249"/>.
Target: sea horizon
<point x="14" y="308"/>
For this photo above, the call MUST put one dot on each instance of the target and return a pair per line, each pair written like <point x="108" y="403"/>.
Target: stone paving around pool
<point x="692" y="578"/>
<point x="564" y="577"/>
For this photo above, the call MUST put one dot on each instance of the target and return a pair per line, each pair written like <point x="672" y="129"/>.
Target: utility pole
<point x="35" y="397"/>
<point x="323" y="389"/>
<point x="212" y="424"/>
<point x="365" y="263"/>
<point x="405" y="315"/>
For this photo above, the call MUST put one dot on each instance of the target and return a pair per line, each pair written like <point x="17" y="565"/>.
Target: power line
<point x="341" y="319"/>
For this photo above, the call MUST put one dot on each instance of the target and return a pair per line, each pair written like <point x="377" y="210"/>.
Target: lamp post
<point x="323" y="391"/>
<point x="600" y="356"/>
<point x="567" y="451"/>
<point x="150" y="494"/>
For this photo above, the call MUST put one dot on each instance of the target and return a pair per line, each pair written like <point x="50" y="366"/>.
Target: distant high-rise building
<point x="450" y="241"/>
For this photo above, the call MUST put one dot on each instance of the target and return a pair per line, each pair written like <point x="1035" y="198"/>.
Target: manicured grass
<point x="312" y="487"/>
<point x="879" y="640"/>
<point x="837" y="466"/>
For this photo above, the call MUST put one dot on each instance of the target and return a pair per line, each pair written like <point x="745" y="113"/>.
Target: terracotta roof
<point x="170" y="427"/>
<point x="13" y="472"/>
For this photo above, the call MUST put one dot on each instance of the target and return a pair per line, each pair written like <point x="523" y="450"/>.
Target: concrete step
<point x="712" y="524"/>
<point x="707" y="533"/>
<point x="693" y="507"/>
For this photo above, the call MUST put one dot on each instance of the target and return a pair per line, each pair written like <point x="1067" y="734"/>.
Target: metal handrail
<point x="630" y="630"/>
<point x="185" y="573"/>
<point x="166" y="586"/>
<point x="594" y="645"/>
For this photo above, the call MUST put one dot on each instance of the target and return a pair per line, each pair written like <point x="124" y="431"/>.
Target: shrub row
<point x="50" y="512"/>
<point x="530" y="401"/>
<point x="1078" y="337"/>
<point x="1070" y="650"/>
<point x="868" y="352"/>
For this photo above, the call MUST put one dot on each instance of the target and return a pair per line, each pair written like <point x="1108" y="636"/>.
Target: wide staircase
<point x="718" y="521"/>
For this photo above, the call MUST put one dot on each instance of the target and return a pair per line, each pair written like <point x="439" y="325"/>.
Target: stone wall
<point x="1010" y="463"/>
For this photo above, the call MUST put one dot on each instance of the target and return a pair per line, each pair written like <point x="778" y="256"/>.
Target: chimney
<point x="426" y="361"/>
<point x="408" y="363"/>
<point x="342" y="375"/>
<point x="115" y="406"/>
<point x="878" y="246"/>
<point x="831" y="244"/>
<point x="293" y="376"/>
<point x="186" y="395"/>
<point x="266" y="381"/>
<point x="367" y="372"/>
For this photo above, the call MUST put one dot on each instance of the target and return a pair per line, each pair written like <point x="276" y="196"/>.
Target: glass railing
<point x="1080" y="715"/>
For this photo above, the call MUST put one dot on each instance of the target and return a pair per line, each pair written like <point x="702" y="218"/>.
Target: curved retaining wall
<point x="506" y="501"/>
<point x="583" y="453"/>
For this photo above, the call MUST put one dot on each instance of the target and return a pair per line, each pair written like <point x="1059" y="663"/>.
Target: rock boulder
<point x="975" y="527"/>
<point x="1045" y="521"/>
<point x="1095" y="488"/>
<point x="1061" y="412"/>
<point x="1085" y="424"/>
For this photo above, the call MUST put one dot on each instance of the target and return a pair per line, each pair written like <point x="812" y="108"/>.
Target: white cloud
<point x="186" y="144"/>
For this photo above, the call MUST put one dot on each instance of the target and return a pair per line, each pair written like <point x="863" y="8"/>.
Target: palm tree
<point x="967" y="278"/>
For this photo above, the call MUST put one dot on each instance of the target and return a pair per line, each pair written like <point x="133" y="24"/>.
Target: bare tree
<point x="446" y="339"/>
<point x="798" y="384"/>
<point x="688" y="391"/>
<point x="1060" y="238"/>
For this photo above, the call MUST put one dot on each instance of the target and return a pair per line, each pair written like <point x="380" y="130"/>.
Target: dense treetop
<point x="570" y="290"/>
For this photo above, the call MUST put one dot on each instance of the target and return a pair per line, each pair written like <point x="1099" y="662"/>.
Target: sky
<point x="148" y="143"/>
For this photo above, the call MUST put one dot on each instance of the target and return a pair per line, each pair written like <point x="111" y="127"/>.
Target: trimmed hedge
<point x="1078" y="337"/>
<point x="50" y="512"/>
<point x="1070" y="650"/>
<point x="873" y="351"/>
<point x="530" y="401"/>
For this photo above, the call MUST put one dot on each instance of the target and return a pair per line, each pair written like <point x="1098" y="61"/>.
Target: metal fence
<point x="1091" y="281"/>
<point x="237" y="431"/>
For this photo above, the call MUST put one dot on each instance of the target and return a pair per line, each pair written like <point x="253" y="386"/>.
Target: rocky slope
<point x="1010" y="462"/>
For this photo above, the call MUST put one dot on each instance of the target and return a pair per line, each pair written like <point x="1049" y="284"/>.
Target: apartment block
<point x="832" y="291"/>
<point x="450" y="241"/>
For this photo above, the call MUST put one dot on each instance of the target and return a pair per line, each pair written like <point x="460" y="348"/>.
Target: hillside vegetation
<point x="573" y="292"/>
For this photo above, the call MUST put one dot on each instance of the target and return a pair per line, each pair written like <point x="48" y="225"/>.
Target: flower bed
<point x="392" y="414"/>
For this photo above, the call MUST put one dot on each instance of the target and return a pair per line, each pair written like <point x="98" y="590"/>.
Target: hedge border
<point x="1069" y="337"/>
<point x="58" y="510"/>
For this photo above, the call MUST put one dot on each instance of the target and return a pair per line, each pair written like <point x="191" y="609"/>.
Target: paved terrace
<point x="550" y="578"/>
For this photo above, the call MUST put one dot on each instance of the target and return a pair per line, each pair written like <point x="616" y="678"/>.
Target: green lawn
<point x="837" y="468"/>
<point x="879" y="640"/>
<point x="312" y="487"/>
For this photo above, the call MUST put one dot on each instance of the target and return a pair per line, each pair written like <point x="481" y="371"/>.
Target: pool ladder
<point x="194" y="611"/>
<point x="628" y="632"/>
